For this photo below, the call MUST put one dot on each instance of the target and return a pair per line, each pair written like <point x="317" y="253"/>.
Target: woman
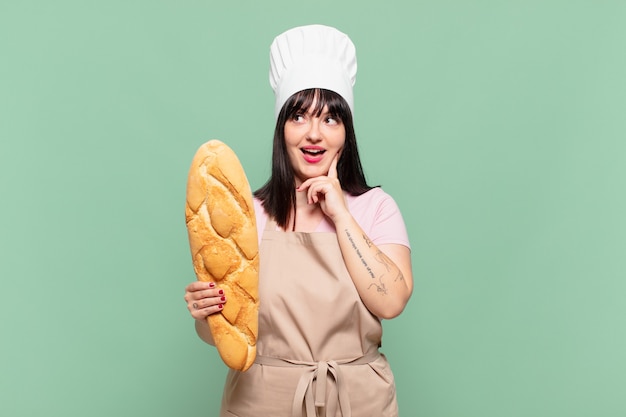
<point x="334" y="253"/>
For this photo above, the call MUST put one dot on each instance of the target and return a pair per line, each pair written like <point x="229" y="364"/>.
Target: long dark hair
<point x="278" y="195"/>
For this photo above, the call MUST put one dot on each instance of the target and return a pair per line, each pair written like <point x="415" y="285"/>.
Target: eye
<point x="332" y="120"/>
<point x="298" y="118"/>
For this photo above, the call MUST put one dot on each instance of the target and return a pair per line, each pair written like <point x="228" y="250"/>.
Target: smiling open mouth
<point x="313" y="151"/>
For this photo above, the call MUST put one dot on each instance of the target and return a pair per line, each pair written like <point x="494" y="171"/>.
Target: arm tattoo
<point x="383" y="259"/>
<point x="358" y="252"/>
<point x="379" y="285"/>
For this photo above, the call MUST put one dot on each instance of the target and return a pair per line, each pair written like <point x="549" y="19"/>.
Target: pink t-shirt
<point x="375" y="211"/>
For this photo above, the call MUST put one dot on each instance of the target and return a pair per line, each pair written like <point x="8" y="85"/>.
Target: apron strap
<point x="319" y="372"/>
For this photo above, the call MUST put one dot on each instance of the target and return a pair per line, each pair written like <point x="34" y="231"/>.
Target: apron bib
<point x="317" y="348"/>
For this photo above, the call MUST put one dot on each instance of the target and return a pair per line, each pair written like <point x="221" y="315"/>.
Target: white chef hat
<point x="313" y="56"/>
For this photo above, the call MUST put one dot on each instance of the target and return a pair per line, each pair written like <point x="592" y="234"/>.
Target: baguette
<point x="224" y="248"/>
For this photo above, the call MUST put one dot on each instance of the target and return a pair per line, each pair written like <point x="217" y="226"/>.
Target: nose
<point x="314" y="134"/>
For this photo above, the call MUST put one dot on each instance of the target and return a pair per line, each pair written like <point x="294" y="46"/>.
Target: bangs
<point x="302" y="102"/>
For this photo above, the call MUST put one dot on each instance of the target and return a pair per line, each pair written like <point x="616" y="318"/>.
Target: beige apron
<point x="318" y="344"/>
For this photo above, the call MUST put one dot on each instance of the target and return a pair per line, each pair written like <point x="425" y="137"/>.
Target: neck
<point x="307" y="216"/>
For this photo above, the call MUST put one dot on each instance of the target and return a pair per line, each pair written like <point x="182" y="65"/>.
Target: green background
<point x="498" y="126"/>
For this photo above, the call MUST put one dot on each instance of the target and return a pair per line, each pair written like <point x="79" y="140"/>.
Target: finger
<point x="191" y="297"/>
<point x="310" y="192"/>
<point x="211" y="293"/>
<point x="206" y="302"/>
<point x="199" y="286"/>
<point x="202" y="314"/>
<point x="202" y="309"/>
<point x="312" y="196"/>
<point x="306" y="184"/>
<point x="317" y="191"/>
<point x="332" y="171"/>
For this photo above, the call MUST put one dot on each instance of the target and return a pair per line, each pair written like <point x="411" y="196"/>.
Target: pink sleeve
<point x="379" y="216"/>
<point x="261" y="218"/>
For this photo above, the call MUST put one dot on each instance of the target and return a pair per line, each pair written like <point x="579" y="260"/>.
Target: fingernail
<point x="223" y="299"/>
<point x="211" y="284"/>
<point x="221" y="292"/>
<point x="220" y="306"/>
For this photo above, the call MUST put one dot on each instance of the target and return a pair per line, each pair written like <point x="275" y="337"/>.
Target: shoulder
<point x="261" y="217"/>
<point x="372" y="202"/>
<point x="379" y="216"/>
<point x="258" y="205"/>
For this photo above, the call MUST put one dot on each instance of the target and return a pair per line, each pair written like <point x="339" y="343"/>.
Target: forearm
<point x="383" y="284"/>
<point x="204" y="332"/>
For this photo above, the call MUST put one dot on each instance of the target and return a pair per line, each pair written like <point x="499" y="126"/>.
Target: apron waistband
<point x="320" y="372"/>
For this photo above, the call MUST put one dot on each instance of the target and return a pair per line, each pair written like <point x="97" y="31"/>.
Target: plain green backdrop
<point x="498" y="126"/>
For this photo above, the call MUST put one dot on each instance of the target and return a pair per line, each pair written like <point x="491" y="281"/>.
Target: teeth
<point x="313" y="151"/>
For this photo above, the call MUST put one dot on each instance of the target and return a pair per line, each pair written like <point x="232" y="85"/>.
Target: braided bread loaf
<point x="224" y="247"/>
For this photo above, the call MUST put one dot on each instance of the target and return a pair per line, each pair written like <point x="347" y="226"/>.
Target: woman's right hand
<point x="204" y="299"/>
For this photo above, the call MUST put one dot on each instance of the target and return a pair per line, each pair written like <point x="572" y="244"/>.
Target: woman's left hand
<point x="326" y="190"/>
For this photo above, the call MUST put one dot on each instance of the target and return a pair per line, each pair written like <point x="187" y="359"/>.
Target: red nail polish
<point x="221" y="292"/>
<point x="223" y="299"/>
<point x="220" y="306"/>
<point x="211" y="284"/>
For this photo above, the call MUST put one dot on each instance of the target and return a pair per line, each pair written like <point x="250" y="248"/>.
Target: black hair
<point x="278" y="195"/>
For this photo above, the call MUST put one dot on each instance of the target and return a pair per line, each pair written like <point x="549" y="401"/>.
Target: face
<point x="312" y="142"/>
